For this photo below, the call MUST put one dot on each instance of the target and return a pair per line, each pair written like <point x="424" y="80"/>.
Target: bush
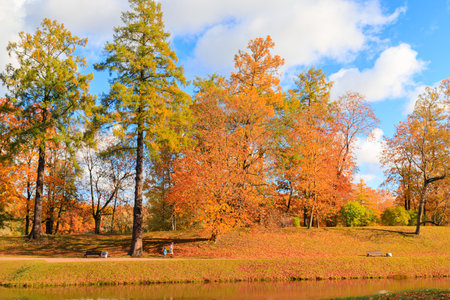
<point x="355" y="214"/>
<point x="296" y="221"/>
<point x="413" y="217"/>
<point x="395" y="216"/>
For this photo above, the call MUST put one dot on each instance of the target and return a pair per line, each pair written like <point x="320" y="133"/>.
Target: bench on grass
<point x="374" y="253"/>
<point x="93" y="252"/>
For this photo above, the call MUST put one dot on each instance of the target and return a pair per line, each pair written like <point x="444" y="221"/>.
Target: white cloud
<point x="94" y="19"/>
<point x="413" y="95"/>
<point x="368" y="152"/>
<point x="412" y="98"/>
<point x="304" y="31"/>
<point x="391" y="76"/>
<point x="369" y="149"/>
<point x="365" y="177"/>
<point x="87" y="18"/>
<point x="12" y="19"/>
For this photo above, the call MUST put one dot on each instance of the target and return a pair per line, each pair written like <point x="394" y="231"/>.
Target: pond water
<point x="240" y="290"/>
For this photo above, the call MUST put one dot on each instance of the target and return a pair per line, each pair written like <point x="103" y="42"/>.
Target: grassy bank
<point x="416" y="294"/>
<point x="41" y="273"/>
<point x="290" y="254"/>
<point x="286" y="243"/>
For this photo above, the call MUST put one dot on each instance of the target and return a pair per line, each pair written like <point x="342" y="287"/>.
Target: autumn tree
<point x="48" y="91"/>
<point x="157" y="187"/>
<point x="315" y="148"/>
<point x="354" y="119"/>
<point x="145" y="103"/>
<point x="423" y="140"/>
<point x="299" y="122"/>
<point x="104" y="175"/>
<point x="60" y="186"/>
<point x="225" y="181"/>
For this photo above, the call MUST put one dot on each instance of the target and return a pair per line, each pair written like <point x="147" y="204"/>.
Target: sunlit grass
<point x="415" y="294"/>
<point x="243" y="255"/>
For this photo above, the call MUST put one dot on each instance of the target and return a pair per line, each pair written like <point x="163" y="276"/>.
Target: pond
<point x="240" y="290"/>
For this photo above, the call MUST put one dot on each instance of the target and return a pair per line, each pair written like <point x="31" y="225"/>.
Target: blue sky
<point x="386" y="50"/>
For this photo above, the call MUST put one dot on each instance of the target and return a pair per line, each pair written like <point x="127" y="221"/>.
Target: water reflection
<point x="241" y="290"/>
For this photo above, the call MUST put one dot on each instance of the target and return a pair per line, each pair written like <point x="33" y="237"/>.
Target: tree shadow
<point x="156" y="245"/>
<point x="403" y="233"/>
<point x="77" y="245"/>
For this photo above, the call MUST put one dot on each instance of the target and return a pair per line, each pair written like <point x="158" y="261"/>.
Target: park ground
<point x="242" y="255"/>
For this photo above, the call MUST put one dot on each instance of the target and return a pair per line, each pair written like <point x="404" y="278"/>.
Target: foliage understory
<point x="289" y="254"/>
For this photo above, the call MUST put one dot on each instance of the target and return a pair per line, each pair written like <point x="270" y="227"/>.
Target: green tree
<point x="395" y="216"/>
<point x="355" y="214"/>
<point x="146" y="105"/>
<point x="48" y="92"/>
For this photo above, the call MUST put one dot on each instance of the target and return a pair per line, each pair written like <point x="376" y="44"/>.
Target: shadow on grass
<point x="156" y="245"/>
<point x="77" y="245"/>
<point x="404" y="233"/>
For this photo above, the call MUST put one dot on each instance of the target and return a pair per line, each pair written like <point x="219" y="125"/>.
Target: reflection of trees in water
<point x="239" y="290"/>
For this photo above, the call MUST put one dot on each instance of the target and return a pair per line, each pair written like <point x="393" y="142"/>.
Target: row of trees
<point x="241" y="152"/>
<point x="416" y="158"/>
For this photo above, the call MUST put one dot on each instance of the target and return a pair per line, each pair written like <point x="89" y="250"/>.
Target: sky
<point x="387" y="50"/>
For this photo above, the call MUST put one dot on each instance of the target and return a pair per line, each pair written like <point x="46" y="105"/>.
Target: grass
<point x="414" y="294"/>
<point x="243" y="255"/>
<point x="37" y="273"/>
<point x="290" y="242"/>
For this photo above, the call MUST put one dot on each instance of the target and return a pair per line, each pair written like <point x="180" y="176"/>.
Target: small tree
<point x="355" y="214"/>
<point x="395" y="216"/>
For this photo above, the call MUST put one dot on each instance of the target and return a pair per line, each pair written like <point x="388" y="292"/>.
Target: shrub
<point x="355" y="214"/>
<point x="395" y="216"/>
<point x="296" y="221"/>
<point x="413" y="217"/>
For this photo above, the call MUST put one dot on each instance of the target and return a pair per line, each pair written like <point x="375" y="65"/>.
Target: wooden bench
<point x="93" y="252"/>
<point x="375" y="253"/>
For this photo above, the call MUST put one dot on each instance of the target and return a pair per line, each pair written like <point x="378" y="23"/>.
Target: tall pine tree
<point x="145" y="104"/>
<point x="47" y="92"/>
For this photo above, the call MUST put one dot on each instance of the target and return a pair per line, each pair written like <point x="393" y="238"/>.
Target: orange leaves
<point x="222" y="182"/>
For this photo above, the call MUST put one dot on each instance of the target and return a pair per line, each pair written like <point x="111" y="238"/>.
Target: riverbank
<point x="25" y="273"/>
<point x="285" y="255"/>
<point x="281" y="290"/>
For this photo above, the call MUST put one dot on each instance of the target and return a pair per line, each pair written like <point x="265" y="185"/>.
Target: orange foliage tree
<point x="422" y="143"/>
<point x="224" y="181"/>
<point x="315" y="146"/>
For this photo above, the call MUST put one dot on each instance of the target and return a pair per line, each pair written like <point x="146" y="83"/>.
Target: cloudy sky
<point x="386" y="50"/>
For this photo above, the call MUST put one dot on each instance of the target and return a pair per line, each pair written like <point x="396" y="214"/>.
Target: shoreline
<point x="36" y="272"/>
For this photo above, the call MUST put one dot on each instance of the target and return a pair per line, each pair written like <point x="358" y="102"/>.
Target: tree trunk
<point x="58" y="222"/>
<point x="27" y="221"/>
<point x="50" y="219"/>
<point x="311" y="218"/>
<point x="113" y="213"/>
<point x="97" y="220"/>
<point x="27" y="216"/>
<point x="136" y="241"/>
<point x="305" y="217"/>
<point x="36" y="231"/>
<point x="289" y="199"/>
<point x="421" y="206"/>
<point x="173" y="222"/>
